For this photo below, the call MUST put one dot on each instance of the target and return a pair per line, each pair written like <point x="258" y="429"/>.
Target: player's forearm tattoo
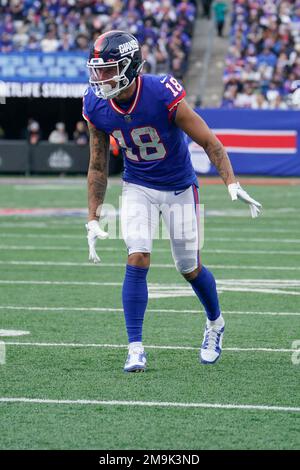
<point x="98" y="170"/>
<point x="218" y="156"/>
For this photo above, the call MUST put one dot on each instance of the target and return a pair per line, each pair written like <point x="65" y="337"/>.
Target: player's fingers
<point x="93" y="255"/>
<point x="255" y="211"/>
<point x="102" y="235"/>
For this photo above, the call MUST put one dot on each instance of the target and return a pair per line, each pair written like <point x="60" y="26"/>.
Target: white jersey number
<point x="175" y="88"/>
<point x="151" y="141"/>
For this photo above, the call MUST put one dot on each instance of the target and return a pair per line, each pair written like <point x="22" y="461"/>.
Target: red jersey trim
<point x="134" y="104"/>
<point x="176" y="101"/>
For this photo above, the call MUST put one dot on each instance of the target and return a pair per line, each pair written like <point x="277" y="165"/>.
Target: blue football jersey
<point x="155" y="150"/>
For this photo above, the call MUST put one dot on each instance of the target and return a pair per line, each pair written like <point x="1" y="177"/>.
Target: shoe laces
<point x="136" y="352"/>
<point x="211" y="338"/>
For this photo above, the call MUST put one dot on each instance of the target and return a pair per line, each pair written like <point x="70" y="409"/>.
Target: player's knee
<point x="139" y="259"/>
<point x="193" y="274"/>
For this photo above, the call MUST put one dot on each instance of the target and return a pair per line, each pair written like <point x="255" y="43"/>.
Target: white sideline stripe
<point x="255" y="240"/>
<point x="226" y="284"/>
<point x="80" y="225"/>
<point x="14" y="332"/>
<point x="269" y="150"/>
<point x="125" y="346"/>
<point x="251" y="229"/>
<point x="152" y="310"/>
<point x="82" y="238"/>
<point x="160" y="404"/>
<point x="159" y="291"/>
<point x="49" y="187"/>
<point x="158" y="286"/>
<point x="254" y="132"/>
<point x="255" y="267"/>
<point x="160" y="250"/>
<point x="64" y="283"/>
<point x="154" y="265"/>
<point x="258" y="290"/>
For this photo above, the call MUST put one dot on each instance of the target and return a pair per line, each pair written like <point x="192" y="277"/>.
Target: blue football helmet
<point x="114" y="62"/>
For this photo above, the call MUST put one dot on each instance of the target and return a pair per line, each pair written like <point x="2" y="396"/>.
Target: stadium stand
<point x="164" y="27"/>
<point x="262" y="69"/>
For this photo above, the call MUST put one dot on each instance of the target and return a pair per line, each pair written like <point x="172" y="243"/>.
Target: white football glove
<point x="237" y="192"/>
<point x="93" y="233"/>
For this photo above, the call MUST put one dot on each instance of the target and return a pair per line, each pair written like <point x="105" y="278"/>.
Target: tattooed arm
<point x="192" y="124"/>
<point x="98" y="171"/>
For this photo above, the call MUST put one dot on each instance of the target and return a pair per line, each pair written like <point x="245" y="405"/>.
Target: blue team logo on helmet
<point x="114" y="62"/>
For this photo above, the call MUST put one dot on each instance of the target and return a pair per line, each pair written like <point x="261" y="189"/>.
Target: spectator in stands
<point x="50" y="43"/>
<point x="150" y="60"/>
<point x="259" y="101"/>
<point x="220" y="10"/>
<point x="80" y="134"/>
<point x="33" y="132"/>
<point x="165" y="27"/>
<point x="265" y="49"/>
<point x="206" y="7"/>
<point x="58" y="135"/>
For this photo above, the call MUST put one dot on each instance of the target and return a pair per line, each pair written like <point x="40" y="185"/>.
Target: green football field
<point x="62" y="383"/>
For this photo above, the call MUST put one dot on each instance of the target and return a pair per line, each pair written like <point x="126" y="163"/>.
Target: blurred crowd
<point x="263" y="63"/>
<point x="164" y="27"/>
<point x="80" y="136"/>
<point x="33" y="133"/>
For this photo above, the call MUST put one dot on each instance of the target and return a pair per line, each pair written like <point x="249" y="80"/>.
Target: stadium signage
<point x="44" y="90"/>
<point x="38" y="75"/>
<point x="258" y="142"/>
<point x="60" y="160"/>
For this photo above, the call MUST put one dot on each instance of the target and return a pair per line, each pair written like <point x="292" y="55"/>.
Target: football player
<point x="148" y="116"/>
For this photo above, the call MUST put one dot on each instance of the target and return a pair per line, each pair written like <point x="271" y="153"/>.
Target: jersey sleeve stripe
<point x="177" y="100"/>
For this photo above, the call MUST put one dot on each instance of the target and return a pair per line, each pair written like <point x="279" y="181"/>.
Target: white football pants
<point x="140" y="213"/>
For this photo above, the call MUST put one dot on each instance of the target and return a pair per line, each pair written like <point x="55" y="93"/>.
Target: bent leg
<point x="181" y="217"/>
<point x="204" y="286"/>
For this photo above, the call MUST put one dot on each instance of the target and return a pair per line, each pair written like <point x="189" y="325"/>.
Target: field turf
<point x="62" y="385"/>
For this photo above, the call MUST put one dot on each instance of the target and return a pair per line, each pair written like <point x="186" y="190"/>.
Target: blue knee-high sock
<point x="135" y="299"/>
<point x="204" y="286"/>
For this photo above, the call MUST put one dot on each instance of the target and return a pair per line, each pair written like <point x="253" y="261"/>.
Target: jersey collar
<point x="133" y="106"/>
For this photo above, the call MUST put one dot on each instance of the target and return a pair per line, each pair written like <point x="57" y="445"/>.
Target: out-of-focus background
<point x="239" y="62"/>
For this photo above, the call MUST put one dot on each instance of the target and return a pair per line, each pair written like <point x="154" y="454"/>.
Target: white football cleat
<point x="136" y="360"/>
<point x="211" y="347"/>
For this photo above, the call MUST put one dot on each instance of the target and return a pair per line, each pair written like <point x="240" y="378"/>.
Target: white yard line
<point x="155" y="404"/>
<point x="183" y="290"/>
<point x="82" y="238"/>
<point x="153" y="265"/>
<point x="160" y="250"/>
<point x="125" y="346"/>
<point x="162" y="286"/>
<point x="78" y="224"/>
<point x="149" y="310"/>
<point x="177" y="290"/>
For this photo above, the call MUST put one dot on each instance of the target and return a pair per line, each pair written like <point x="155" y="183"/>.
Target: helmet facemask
<point x="108" y="79"/>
